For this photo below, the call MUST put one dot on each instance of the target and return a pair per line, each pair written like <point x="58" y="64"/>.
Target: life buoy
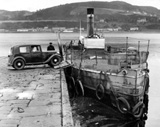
<point x="100" y="91"/>
<point x="124" y="72"/>
<point x="72" y="82"/>
<point x="71" y="87"/>
<point x="146" y="84"/>
<point x="123" y="105"/>
<point x="138" y="109"/>
<point x="145" y="102"/>
<point x="79" y="88"/>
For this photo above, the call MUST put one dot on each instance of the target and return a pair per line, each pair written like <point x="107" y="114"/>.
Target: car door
<point x="24" y="51"/>
<point x="36" y="54"/>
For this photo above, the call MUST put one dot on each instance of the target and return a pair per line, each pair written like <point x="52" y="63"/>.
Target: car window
<point x="24" y="49"/>
<point x="35" y="48"/>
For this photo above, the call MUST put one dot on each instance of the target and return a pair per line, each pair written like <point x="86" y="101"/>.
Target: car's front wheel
<point x="19" y="64"/>
<point x="55" y="60"/>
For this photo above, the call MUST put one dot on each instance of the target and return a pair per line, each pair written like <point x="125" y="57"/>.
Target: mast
<point x="126" y="52"/>
<point x="80" y="29"/>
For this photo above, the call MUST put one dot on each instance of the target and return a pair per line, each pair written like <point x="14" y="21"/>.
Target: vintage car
<point x="24" y="55"/>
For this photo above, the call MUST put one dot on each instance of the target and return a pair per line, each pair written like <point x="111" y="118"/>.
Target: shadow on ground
<point x="92" y="113"/>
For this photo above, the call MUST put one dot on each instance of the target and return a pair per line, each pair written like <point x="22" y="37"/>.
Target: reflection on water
<point x="92" y="113"/>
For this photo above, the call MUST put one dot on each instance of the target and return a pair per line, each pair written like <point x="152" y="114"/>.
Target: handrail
<point x="136" y="82"/>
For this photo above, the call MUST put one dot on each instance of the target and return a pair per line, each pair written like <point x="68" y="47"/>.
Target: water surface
<point x="10" y="39"/>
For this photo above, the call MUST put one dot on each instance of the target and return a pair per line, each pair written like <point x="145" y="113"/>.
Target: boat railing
<point x="108" y="61"/>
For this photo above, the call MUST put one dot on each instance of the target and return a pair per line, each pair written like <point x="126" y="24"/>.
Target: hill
<point x="114" y="13"/>
<point x="77" y="11"/>
<point x="14" y="15"/>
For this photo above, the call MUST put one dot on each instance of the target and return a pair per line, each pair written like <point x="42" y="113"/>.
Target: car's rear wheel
<point x="19" y="64"/>
<point x="55" y="60"/>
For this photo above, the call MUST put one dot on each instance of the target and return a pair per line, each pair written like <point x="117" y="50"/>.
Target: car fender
<point x="48" y="60"/>
<point x="18" y="57"/>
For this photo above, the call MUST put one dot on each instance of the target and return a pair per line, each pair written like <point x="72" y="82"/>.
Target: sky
<point x="34" y="5"/>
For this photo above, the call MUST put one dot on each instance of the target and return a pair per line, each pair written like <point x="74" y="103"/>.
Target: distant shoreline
<point x="142" y="31"/>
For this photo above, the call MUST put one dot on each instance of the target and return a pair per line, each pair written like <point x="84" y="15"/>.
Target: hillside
<point x="14" y="15"/>
<point x="75" y="11"/>
<point x="115" y="14"/>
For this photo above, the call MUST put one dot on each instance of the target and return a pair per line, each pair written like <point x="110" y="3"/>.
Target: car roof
<point x="25" y="45"/>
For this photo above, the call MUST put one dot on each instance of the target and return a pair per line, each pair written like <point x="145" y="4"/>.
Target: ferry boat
<point x="120" y="73"/>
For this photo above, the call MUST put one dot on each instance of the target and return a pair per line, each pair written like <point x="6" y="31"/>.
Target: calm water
<point x="89" y="118"/>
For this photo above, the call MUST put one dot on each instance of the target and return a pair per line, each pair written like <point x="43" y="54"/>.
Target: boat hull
<point x="80" y="80"/>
